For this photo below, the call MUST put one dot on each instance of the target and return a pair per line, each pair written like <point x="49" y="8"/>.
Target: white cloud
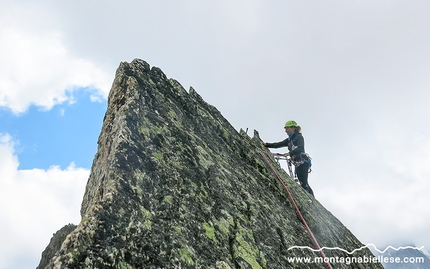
<point x="36" y="66"/>
<point x="380" y="191"/>
<point x="34" y="204"/>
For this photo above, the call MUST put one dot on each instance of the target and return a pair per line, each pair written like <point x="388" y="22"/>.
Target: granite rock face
<point x="174" y="185"/>
<point x="55" y="244"/>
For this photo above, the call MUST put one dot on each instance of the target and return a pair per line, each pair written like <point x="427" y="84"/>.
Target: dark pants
<point x="302" y="172"/>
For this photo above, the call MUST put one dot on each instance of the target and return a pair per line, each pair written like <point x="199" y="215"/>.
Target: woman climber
<point x="296" y="147"/>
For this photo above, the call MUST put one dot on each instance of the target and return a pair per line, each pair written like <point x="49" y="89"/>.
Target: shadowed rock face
<point x="174" y="185"/>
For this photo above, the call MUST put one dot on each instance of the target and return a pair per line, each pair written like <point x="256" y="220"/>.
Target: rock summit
<point x="174" y="185"/>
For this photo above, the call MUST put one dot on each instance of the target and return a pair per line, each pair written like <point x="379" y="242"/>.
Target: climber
<point x="296" y="147"/>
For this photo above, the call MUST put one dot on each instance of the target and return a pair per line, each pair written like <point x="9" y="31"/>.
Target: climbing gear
<point x="299" y="214"/>
<point x="305" y="158"/>
<point x="279" y="156"/>
<point x="291" y="123"/>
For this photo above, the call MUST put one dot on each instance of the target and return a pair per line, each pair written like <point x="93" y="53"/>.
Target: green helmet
<point x="291" y="123"/>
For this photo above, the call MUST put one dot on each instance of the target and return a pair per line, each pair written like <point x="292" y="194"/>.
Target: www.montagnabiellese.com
<point x="360" y="259"/>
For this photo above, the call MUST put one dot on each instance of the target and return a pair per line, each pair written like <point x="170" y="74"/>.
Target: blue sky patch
<point x="67" y="133"/>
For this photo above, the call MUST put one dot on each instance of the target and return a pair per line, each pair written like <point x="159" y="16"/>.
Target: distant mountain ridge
<point x="403" y="258"/>
<point x="174" y="185"/>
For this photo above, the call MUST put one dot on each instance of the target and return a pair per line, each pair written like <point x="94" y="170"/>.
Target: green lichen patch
<point x="168" y="199"/>
<point x="224" y="225"/>
<point x="209" y="231"/>
<point x="185" y="254"/>
<point x="245" y="249"/>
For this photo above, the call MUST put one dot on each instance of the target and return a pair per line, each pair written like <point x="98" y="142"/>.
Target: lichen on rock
<point x="174" y="185"/>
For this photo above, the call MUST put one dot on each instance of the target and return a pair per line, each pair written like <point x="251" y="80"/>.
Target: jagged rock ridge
<point x="174" y="185"/>
<point x="55" y="244"/>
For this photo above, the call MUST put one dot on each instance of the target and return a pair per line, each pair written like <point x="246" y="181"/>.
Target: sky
<point x="353" y="74"/>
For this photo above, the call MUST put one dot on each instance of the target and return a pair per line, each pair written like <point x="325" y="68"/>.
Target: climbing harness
<point x="290" y="162"/>
<point x="299" y="214"/>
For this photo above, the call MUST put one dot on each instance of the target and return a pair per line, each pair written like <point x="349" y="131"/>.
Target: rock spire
<point x="174" y="185"/>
